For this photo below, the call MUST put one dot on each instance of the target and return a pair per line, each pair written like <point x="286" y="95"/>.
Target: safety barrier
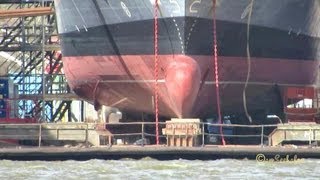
<point x="143" y="133"/>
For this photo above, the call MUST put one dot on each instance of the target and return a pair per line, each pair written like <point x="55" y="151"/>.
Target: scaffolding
<point x="31" y="61"/>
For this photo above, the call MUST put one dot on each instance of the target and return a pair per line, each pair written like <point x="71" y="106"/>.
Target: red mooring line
<point x="215" y="50"/>
<point x="156" y="74"/>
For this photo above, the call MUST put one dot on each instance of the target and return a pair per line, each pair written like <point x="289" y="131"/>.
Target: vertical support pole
<point x="82" y="111"/>
<point x="202" y="134"/>
<point x="24" y="41"/>
<point x="69" y="111"/>
<point x="110" y="140"/>
<point x="314" y="137"/>
<point x="262" y="135"/>
<point x="166" y="133"/>
<point x="310" y="137"/>
<point x="43" y="66"/>
<point x="87" y="135"/>
<point x="40" y="134"/>
<point x="186" y="137"/>
<point x="142" y="133"/>
<point x="174" y="135"/>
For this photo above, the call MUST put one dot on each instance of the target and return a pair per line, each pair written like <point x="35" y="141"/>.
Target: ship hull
<point x="109" y="57"/>
<point x="114" y="87"/>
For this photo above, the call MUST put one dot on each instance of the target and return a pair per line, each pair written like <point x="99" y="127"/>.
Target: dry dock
<point x="258" y="153"/>
<point x="84" y="141"/>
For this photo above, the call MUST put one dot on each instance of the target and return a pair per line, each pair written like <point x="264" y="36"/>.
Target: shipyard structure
<point x="173" y="72"/>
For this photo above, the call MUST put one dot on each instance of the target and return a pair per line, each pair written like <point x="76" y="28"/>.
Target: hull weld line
<point x="206" y="82"/>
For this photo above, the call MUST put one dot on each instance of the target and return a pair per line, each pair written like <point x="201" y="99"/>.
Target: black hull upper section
<point x="96" y="36"/>
<point x="134" y="38"/>
<point x="287" y="29"/>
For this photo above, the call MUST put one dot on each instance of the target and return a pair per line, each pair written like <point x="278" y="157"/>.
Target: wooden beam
<point x="49" y="97"/>
<point x="31" y="47"/>
<point x="26" y="12"/>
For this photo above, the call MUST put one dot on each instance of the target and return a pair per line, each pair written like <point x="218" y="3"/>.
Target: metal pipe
<point x="87" y="135"/>
<point x="142" y="133"/>
<point x="23" y="62"/>
<point x="40" y="134"/>
<point x="202" y="134"/>
<point x="262" y="135"/>
<point x="43" y="66"/>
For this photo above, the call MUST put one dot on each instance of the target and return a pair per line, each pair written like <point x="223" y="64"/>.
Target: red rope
<point x="156" y="88"/>
<point x="215" y="44"/>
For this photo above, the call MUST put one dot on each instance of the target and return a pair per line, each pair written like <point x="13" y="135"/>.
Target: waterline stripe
<point x="206" y="82"/>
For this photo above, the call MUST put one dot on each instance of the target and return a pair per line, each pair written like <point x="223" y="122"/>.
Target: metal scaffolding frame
<point x="29" y="38"/>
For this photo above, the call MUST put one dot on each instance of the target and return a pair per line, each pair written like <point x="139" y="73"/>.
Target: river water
<point x="148" y="168"/>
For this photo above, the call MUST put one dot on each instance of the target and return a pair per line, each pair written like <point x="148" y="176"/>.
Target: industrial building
<point x="33" y="86"/>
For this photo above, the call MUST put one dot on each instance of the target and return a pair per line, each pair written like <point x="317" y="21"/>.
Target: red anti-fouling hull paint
<point x="186" y="83"/>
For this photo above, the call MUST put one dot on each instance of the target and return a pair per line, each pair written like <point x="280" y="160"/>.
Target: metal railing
<point x="138" y="133"/>
<point x="256" y="135"/>
<point x="241" y="134"/>
<point x="36" y="133"/>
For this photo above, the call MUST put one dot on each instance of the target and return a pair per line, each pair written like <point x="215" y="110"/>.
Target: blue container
<point x="214" y="135"/>
<point x="4" y="88"/>
<point x="3" y="107"/>
<point x="213" y="129"/>
<point x="4" y="94"/>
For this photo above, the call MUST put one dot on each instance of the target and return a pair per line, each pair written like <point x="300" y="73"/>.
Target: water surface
<point x="148" y="168"/>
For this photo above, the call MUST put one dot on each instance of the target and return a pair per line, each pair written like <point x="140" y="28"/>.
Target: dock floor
<point x="210" y="152"/>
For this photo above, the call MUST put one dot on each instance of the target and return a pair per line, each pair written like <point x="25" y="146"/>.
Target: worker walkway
<point x="303" y="132"/>
<point x="90" y="133"/>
